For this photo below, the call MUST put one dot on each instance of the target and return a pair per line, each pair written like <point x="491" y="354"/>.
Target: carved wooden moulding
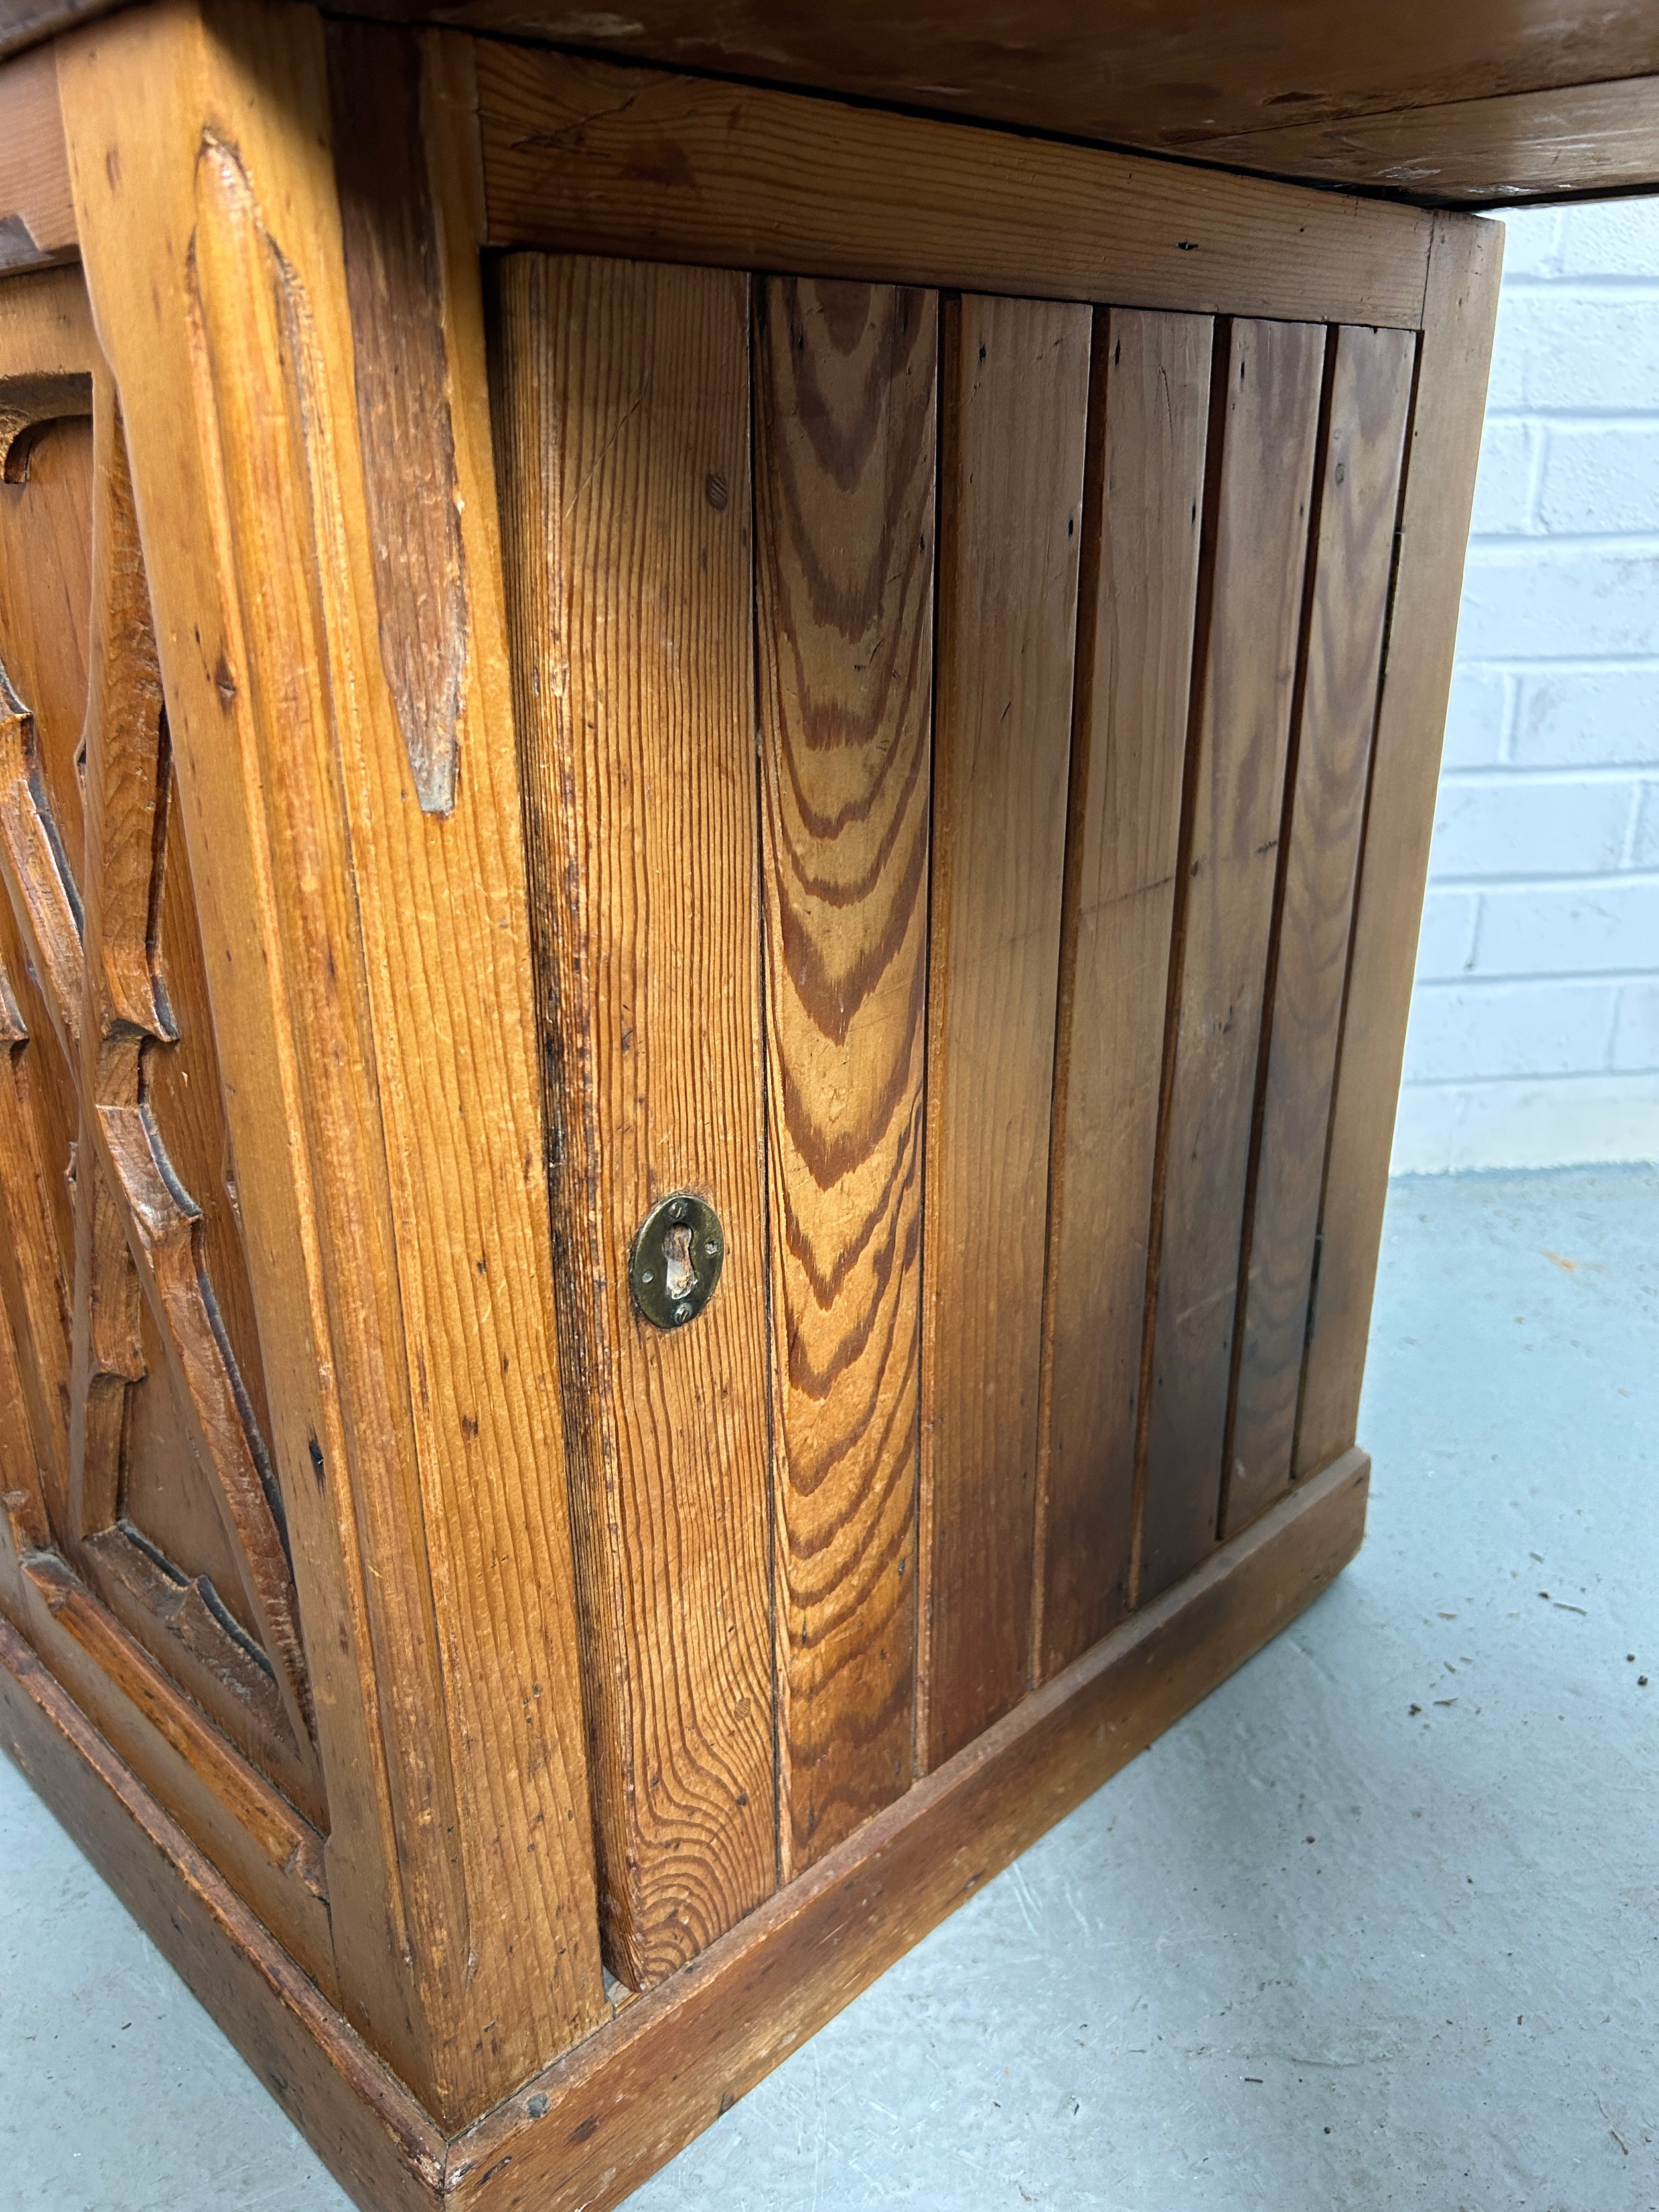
<point x="709" y="871"/>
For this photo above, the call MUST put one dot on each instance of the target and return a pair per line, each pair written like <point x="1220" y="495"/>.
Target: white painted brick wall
<point x="1535" y="1033"/>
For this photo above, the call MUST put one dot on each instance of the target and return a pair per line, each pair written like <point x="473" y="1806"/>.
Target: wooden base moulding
<point x="583" y="2132"/>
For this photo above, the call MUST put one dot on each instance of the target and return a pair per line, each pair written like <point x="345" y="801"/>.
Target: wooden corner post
<point x="319" y="526"/>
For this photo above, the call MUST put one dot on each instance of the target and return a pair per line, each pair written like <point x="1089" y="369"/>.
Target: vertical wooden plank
<point x="1267" y="384"/>
<point x="625" y="422"/>
<point x="1358" y="503"/>
<point x="845" y="452"/>
<point x="1148" y="419"/>
<point x="1441" y="451"/>
<point x="1014" y="399"/>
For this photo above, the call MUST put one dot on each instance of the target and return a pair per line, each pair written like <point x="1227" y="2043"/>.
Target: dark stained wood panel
<point x="1442" y="449"/>
<point x="1492" y="151"/>
<point x="845" y="450"/>
<point x="1014" y="381"/>
<point x="1491" y="99"/>
<point x="1267" y="387"/>
<point x="1149" y="417"/>
<point x="1357" y="501"/>
<point x="625" y="434"/>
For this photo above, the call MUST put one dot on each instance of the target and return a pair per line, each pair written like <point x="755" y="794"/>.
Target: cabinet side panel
<point x="625" y="458"/>
<point x="1148" y="416"/>
<point x="1354" y="562"/>
<point x="1014" y="392"/>
<point x="845" y="451"/>
<point x="1268" y="379"/>
<point x="1443" y="448"/>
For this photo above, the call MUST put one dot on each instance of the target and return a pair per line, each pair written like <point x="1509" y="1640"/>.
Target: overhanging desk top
<point x="1484" y="104"/>
<point x="713" y="810"/>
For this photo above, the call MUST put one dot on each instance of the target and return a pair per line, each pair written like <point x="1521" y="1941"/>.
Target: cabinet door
<point x="945" y="723"/>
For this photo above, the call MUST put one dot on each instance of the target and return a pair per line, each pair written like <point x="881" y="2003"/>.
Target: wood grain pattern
<point x="590" y="158"/>
<point x="625" y="471"/>
<point x="251" y="1832"/>
<point x="45" y="536"/>
<point x="37" y="212"/>
<point x="37" y="1245"/>
<point x="1149" y="415"/>
<point x="366" y="2124"/>
<point x="392" y="247"/>
<point x="1357" y="506"/>
<point x="46" y="356"/>
<point x="1208" y="77"/>
<point x="1442" y="449"/>
<point x="136" y="1238"/>
<point x="23" y="1520"/>
<point x="119" y="769"/>
<point x="184" y="1098"/>
<point x="1191" y="76"/>
<point x="1266" y="384"/>
<point x="1491" y="151"/>
<point x="592" y="2128"/>
<point x="286" y="1838"/>
<point x="845" y="452"/>
<point x="580" y="2135"/>
<point x="1014" y="391"/>
<point x="368" y="970"/>
<point x="46" y="334"/>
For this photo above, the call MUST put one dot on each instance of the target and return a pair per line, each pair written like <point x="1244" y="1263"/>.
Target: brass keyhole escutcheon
<point x="677" y="1260"/>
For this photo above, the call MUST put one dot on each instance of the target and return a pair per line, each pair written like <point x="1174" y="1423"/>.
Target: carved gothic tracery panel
<point x="134" y="1354"/>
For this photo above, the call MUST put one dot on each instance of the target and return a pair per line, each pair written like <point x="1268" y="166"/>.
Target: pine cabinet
<point x="713" y="807"/>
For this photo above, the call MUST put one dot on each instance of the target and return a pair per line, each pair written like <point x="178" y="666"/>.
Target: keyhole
<point x="680" y="1277"/>
<point x="676" y="1259"/>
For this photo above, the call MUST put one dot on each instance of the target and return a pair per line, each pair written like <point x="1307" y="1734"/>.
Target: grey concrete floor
<point x="1376" y="1926"/>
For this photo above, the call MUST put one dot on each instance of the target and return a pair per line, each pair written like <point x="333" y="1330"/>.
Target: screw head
<point x="682" y="1312"/>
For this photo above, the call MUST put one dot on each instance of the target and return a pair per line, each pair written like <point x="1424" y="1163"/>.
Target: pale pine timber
<point x="1267" y="381"/>
<point x="624" y="431"/>
<point x="844" y="444"/>
<point x="368" y="970"/>
<point x="586" y="156"/>
<point x="1358" y="503"/>
<point x="1441" y="453"/>
<point x="1014" y="397"/>
<point x="1148" y="416"/>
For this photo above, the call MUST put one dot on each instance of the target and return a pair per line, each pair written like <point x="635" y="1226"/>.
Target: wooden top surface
<point x="1482" y="103"/>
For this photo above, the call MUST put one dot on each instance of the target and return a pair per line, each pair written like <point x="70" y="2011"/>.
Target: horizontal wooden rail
<point x="594" y="158"/>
